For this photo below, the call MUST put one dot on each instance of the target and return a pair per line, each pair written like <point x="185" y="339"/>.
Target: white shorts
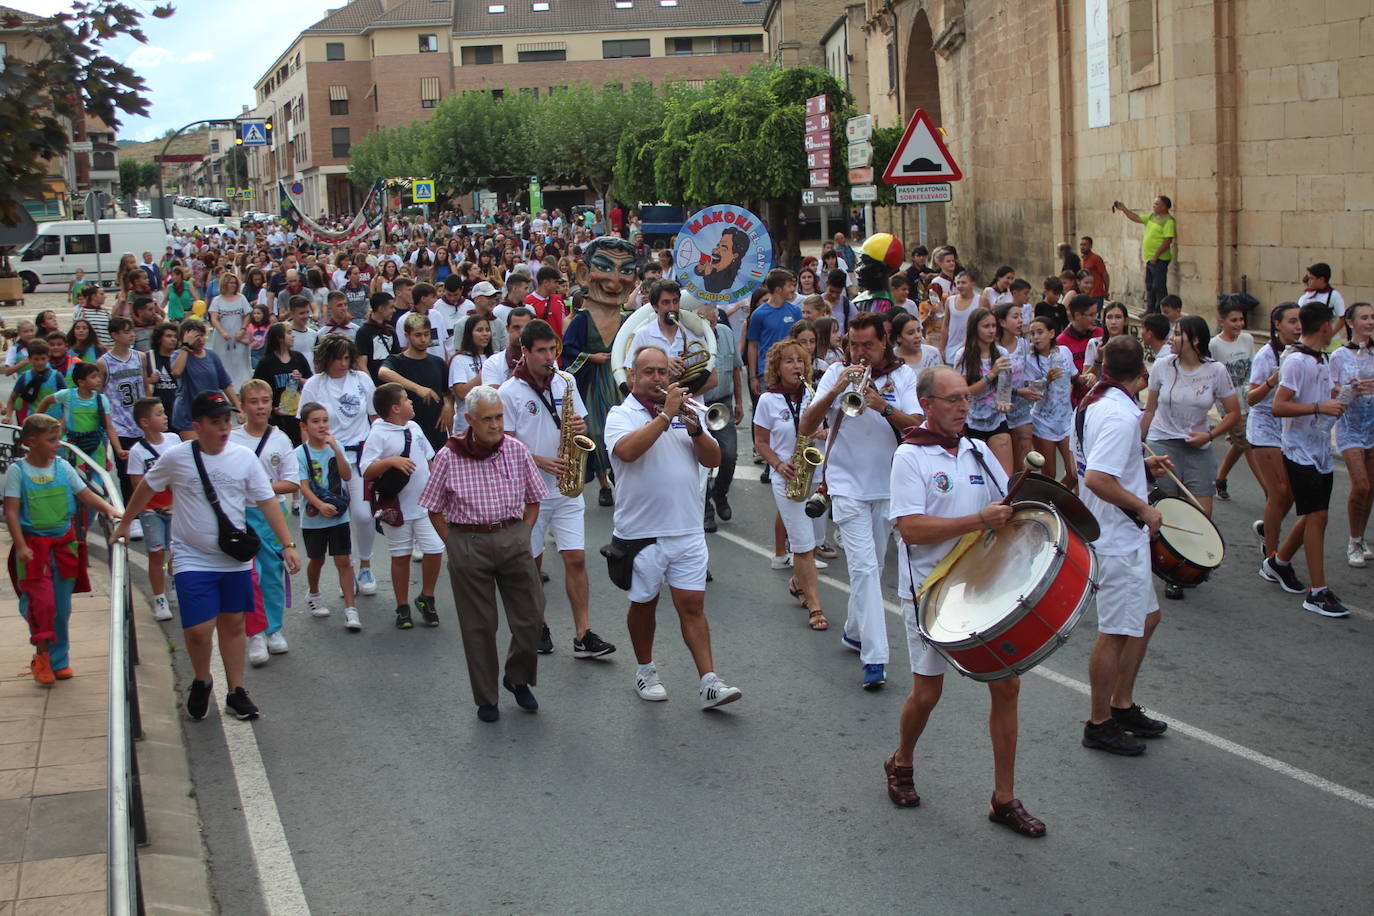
<point x="680" y="560"/>
<point x="1126" y="593"/>
<point x="403" y="539"/>
<point x="566" y="515"/>
<point x="801" y="528"/>
<point x="924" y="660"/>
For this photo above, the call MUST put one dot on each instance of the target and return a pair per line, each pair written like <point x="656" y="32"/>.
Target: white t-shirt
<point x="303" y="342"/>
<point x="440" y="329"/>
<point x="1327" y="297"/>
<point x="239" y="481"/>
<point x="774" y="414"/>
<point x="1262" y="428"/>
<point x="927" y="480"/>
<point x="865" y="444"/>
<point x="494" y="371"/>
<point x="651" y="335"/>
<point x="1307" y="439"/>
<point x="1185" y="397"/>
<point x="387" y="440"/>
<point x="1111" y="444"/>
<point x="348" y="400"/>
<point x="349" y="330"/>
<point x="1236" y="355"/>
<point x="529" y="420"/>
<point x="658" y="495"/>
<point x="463" y="369"/>
<point x="278" y="456"/>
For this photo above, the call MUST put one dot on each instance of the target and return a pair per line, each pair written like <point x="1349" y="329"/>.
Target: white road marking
<point x="1320" y="783"/>
<point x="278" y="878"/>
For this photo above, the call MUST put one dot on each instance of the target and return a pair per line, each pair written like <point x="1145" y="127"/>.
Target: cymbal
<point x="1042" y="489"/>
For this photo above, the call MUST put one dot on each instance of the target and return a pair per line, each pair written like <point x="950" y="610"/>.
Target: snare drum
<point x="1013" y="598"/>
<point x="1187" y="546"/>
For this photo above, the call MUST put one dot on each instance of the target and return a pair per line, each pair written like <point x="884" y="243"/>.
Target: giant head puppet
<point x="608" y="271"/>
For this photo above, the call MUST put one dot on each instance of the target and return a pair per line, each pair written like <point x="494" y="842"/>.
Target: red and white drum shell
<point x="1013" y="598"/>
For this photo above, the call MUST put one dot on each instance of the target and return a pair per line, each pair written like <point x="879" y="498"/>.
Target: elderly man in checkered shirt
<point x="483" y="497"/>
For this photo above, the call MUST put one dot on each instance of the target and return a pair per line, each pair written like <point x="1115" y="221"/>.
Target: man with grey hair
<point x="483" y="498"/>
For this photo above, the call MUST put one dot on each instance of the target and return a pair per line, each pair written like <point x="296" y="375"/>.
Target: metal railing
<point x="127" y="827"/>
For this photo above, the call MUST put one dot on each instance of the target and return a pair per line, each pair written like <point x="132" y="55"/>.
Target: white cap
<point x="483" y="289"/>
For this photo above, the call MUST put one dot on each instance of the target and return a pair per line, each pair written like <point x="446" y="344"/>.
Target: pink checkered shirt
<point x="468" y="492"/>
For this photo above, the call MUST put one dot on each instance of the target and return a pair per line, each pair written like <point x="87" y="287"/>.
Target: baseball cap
<point x="483" y="289"/>
<point x="210" y="404"/>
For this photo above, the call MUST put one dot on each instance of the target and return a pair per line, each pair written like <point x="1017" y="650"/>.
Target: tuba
<point x="572" y="448"/>
<point x="805" y="459"/>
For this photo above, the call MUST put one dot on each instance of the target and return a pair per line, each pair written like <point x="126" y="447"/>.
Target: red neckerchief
<point x="1318" y="355"/>
<point x="522" y="372"/>
<point x="922" y="435"/>
<point x="1078" y="335"/>
<point x="467" y="446"/>
<point x="886" y="367"/>
<point x="785" y="392"/>
<point x="653" y="407"/>
<point x="65" y="365"/>
<point x="1104" y="384"/>
<point x="1357" y="347"/>
<point x="512" y="356"/>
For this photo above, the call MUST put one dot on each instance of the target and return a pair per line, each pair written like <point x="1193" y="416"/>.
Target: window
<point x="625" y="47"/>
<point x="4" y="50"/>
<point x="42" y="246"/>
<point x="531" y="91"/>
<point x="891" y="66"/>
<point x="539" y="6"/>
<point x="545" y="54"/>
<point x="741" y="44"/>
<point x="334" y="50"/>
<point x="339" y="140"/>
<point x="85" y="244"/>
<point x="624" y="4"/>
<point x="498" y="94"/>
<point x="214" y="146"/>
<point x="1141" y="25"/>
<point x="429" y="44"/>
<point x="682" y="47"/>
<point x="667" y="2"/>
<point x="482" y="54"/>
<point x="373" y="95"/>
<point x="338" y="106"/>
<point x="553" y="89"/>
<point x="429" y="91"/>
<point x="496" y="7"/>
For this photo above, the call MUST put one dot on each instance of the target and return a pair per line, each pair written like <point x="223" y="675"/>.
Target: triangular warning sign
<point x="921" y="156"/>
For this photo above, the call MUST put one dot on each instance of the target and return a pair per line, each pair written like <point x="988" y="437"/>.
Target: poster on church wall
<point x="1098" y="36"/>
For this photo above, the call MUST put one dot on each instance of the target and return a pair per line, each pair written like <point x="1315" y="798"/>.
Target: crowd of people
<point x="427" y="388"/>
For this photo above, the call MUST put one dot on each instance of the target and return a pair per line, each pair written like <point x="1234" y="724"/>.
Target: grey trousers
<point x="479" y="564"/>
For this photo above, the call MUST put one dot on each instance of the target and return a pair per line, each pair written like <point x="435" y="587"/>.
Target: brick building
<point x="383" y="63"/>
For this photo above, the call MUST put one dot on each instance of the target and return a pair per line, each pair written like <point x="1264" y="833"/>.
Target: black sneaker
<point x="524" y="697"/>
<point x="1282" y="574"/>
<point x="723" y="508"/>
<point x="765" y="477"/>
<point x="605" y="498"/>
<point x="591" y="646"/>
<point x="403" y="621"/>
<point x="198" y="701"/>
<point x="708" y="524"/>
<point x="545" y="641"/>
<point x="1326" y="604"/>
<point x="1137" y="723"/>
<point x="1109" y="737"/>
<point x="1173" y="592"/>
<point x="238" y="704"/>
<point x="1221" y="490"/>
<point x="425" y="605"/>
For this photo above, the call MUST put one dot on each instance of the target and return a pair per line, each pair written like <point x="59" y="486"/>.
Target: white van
<point x="62" y="246"/>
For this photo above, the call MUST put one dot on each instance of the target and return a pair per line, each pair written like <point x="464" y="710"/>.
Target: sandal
<point x="1015" y="816"/>
<point x="816" y="619"/>
<point x="795" y="591"/>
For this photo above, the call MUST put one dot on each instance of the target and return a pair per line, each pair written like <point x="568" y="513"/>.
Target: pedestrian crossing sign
<point x="253" y="133"/>
<point x="246" y="193"/>
<point x="422" y="191"/>
<point x="232" y="192"/>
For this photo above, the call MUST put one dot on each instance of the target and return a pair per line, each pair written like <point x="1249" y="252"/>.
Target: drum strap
<point x="1080" y="417"/>
<point x="960" y="548"/>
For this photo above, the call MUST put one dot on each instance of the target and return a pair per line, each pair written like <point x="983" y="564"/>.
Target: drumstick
<point x="1179" y="528"/>
<point x="1175" y="479"/>
<point x="1033" y="461"/>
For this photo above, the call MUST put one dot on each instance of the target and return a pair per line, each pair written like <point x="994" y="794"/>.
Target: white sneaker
<point x="136" y="531"/>
<point x="160" y="609"/>
<point x="1368" y="551"/>
<point x="821" y="564"/>
<point x="257" y="651"/>
<point x="649" y="688"/>
<point x="1354" y="554"/>
<point x="316" y="605"/>
<point x="715" y="692"/>
<point x="417" y="554"/>
<point x="367" y="583"/>
<point x="351" y="621"/>
<point x="782" y="562"/>
<point x="276" y="643"/>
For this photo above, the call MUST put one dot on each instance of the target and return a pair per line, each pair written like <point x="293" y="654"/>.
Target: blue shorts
<point x="203" y="596"/>
<point x="157" y="530"/>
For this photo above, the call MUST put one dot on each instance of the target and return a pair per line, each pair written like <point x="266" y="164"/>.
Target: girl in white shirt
<point x="1010" y="324"/>
<point x="465" y="369"/>
<point x="1049" y="380"/>
<point x="999" y="293"/>
<point x="1265" y="432"/>
<point x="1352" y="371"/>
<point x="980" y="362"/>
<point x="1114" y="321"/>
<point x="911" y="346"/>
<point x="228" y="314"/>
<point x="957" y="310"/>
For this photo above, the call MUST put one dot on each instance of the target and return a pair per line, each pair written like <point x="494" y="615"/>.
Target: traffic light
<point x="267" y="126"/>
<point x="238" y="141"/>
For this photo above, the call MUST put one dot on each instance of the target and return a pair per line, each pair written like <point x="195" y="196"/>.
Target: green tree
<point x="74" y="75"/>
<point x="147" y="174"/>
<point x="235" y="167"/>
<point x="576" y="132"/>
<point x="885" y="140"/>
<point x="129" y="181"/>
<point x="396" y="152"/>
<point x="474" y="140"/>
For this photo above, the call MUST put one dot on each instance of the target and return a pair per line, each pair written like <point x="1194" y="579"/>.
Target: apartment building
<point x="383" y="63"/>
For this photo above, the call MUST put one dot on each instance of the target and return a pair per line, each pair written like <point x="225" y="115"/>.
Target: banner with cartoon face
<point x="723" y="253"/>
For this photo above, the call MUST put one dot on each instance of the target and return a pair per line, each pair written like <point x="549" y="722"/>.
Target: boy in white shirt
<point x="395" y="448"/>
<point x="156" y="518"/>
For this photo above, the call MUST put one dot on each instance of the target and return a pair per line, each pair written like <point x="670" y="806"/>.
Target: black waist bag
<point x="620" y="559"/>
<point x="239" y="545"/>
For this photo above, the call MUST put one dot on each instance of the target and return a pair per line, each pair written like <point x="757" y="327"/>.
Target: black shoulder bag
<point x="384" y="492"/>
<point x="239" y="545"/>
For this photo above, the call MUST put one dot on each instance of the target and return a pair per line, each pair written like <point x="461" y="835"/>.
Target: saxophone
<point x="805" y="458"/>
<point x="572" y="448"/>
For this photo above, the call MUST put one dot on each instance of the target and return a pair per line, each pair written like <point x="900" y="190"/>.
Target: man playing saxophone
<point x="536" y="413"/>
<point x="795" y="460"/>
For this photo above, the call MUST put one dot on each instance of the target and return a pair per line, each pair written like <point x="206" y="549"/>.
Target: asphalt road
<point x="393" y="797"/>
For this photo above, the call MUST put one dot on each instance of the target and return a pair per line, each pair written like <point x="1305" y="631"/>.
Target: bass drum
<point x="642" y="317"/>
<point x="1187" y="546"/>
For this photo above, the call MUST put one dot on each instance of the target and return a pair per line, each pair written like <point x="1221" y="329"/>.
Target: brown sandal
<point x="795" y="591"/>
<point x="816" y="619"/>
<point x="1014" y="815"/>
<point x="901" y="787"/>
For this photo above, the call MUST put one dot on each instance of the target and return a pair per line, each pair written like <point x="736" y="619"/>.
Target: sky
<point x="204" y="60"/>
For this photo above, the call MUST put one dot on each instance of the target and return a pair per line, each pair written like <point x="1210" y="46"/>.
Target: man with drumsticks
<point x="941" y="491"/>
<point x="1106" y="446"/>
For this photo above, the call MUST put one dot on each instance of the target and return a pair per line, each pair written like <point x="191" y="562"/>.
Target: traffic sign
<point x="860" y="154"/>
<point x="821" y="197"/>
<point x="938" y="193"/>
<point x="231" y="192"/>
<point x="817" y="122"/>
<point x="818" y="159"/>
<point x="820" y="178"/>
<point x="422" y="191"/>
<point x="922" y="155"/>
<point x="859" y="128"/>
<point x="863" y="193"/>
<point x="81" y="146"/>
<point x="861" y="176"/>
<point x="245" y="193"/>
<point x="817" y="140"/>
<point x="817" y="104"/>
<point x="253" y="133"/>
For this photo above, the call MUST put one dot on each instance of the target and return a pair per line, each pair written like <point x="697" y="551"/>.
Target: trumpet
<point x="717" y="415"/>
<point x="852" y="401"/>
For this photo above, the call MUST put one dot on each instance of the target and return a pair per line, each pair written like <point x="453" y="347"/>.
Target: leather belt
<point x="483" y="529"/>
